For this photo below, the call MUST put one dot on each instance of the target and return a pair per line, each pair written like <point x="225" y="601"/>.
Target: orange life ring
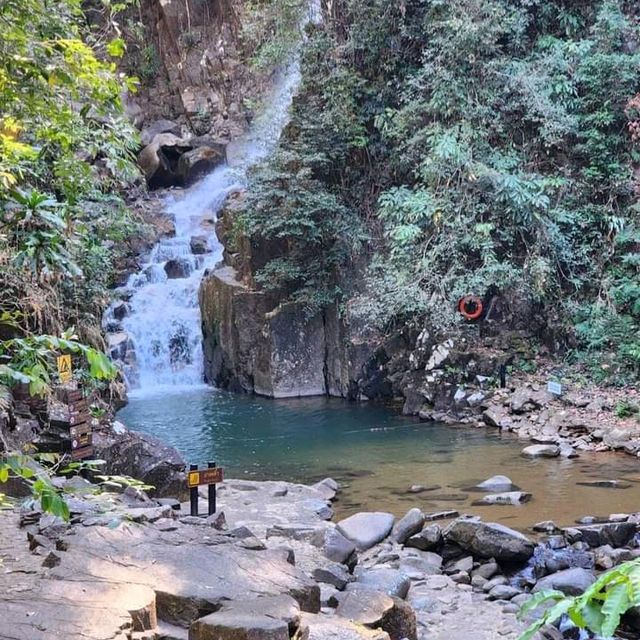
<point x="470" y="307"/>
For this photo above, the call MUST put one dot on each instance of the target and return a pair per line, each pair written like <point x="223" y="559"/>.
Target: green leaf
<point x="615" y="604"/>
<point x="116" y="47"/>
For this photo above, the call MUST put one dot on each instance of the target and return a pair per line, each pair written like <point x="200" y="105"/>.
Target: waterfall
<point x="163" y="325"/>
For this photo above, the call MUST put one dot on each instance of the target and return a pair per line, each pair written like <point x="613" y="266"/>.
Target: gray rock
<point x="503" y="592"/>
<point x="420" y="488"/>
<point x="334" y="574"/>
<point x="196" y="162"/>
<point x="487" y="570"/>
<point x="144" y="457"/>
<point x="379" y="611"/>
<point x="393" y="582"/>
<point x="476" y="399"/>
<point x="462" y="577"/>
<point x="571" y="582"/>
<point x="427" y="540"/>
<point x="321" y="627"/>
<point x="441" y="515"/>
<point x="507" y="498"/>
<point x="459" y="396"/>
<point x="616" y="534"/>
<point x="547" y="526"/>
<point x="489" y="540"/>
<point x="199" y="245"/>
<point x="327" y="488"/>
<point x="464" y="564"/>
<point x="418" y="567"/>
<point x="496" y="483"/>
<point x="494" y="582"/>
<point x="367" y="528"/>
<point x="177" y="268"/>
<point x="541" y="451"/>
<point x="157" y="127"/>
<point x="267" y="618"/>
<point x="567" y="451"/>
<point x="605" y="484"/>
<point x="336" y="547"/>
<point x="478" y="582"/>
<point x="408" y="526"/>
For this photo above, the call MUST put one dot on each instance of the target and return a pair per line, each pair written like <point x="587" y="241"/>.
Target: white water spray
<point x="163" y="322"/>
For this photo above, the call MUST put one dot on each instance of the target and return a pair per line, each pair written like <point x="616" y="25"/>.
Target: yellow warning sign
<point x="64" y="368"/>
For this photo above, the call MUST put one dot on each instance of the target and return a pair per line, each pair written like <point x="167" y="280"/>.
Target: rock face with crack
<point x="490" y="540"/>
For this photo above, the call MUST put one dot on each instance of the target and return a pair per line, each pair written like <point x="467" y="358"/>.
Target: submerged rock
<point x="541" y="451"/>
<point x="508" y="498"/>
<point x="496" y="483"/>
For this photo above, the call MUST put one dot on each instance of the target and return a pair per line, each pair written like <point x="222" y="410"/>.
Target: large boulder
<point x="159" y="159"/>
<point x="157" y="127"/>
<point x="489" y="540"/>
<point x="169" y="160"/>
<point x="195" y="163"/>
<point x="572" y="582"/>
<point x="143" y="457"/>
<point x="366" y="529"/>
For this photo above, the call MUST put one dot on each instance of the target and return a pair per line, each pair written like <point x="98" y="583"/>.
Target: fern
<point x="598" y="609"/>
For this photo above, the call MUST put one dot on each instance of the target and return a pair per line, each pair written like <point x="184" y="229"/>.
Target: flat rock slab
<point x="335" y="628"/>
<point x="190" y="570"/>
<point x="263" y="618"/>
<point x="379" y="611"/>
<point x="110" y="577"/>
<point x="367" y="528"/>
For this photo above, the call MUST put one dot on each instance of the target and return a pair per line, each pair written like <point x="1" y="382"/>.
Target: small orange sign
<point x="205" y="476"/>
<point x="65" y="373"/>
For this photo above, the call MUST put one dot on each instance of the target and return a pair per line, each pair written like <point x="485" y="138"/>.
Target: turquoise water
<point x="377" y="454"/>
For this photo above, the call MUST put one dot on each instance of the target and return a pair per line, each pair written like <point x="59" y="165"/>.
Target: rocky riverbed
<point x="272" y="565"/>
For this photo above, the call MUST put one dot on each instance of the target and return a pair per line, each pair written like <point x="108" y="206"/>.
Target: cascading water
<point x="163" y="321"/>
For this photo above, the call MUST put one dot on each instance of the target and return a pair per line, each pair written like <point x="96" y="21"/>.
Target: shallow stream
<point x="377" y="455"/>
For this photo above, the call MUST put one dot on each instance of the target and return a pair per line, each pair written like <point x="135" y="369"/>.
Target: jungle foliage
<point x="467" y="144"/>
<point x="66" y="151"/>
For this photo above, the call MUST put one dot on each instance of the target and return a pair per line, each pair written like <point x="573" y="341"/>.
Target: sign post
<point x="211" y="476"/>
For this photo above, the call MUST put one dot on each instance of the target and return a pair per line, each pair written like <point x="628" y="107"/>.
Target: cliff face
<point x="194" y="66"/>
<point x="255" y="344"/>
